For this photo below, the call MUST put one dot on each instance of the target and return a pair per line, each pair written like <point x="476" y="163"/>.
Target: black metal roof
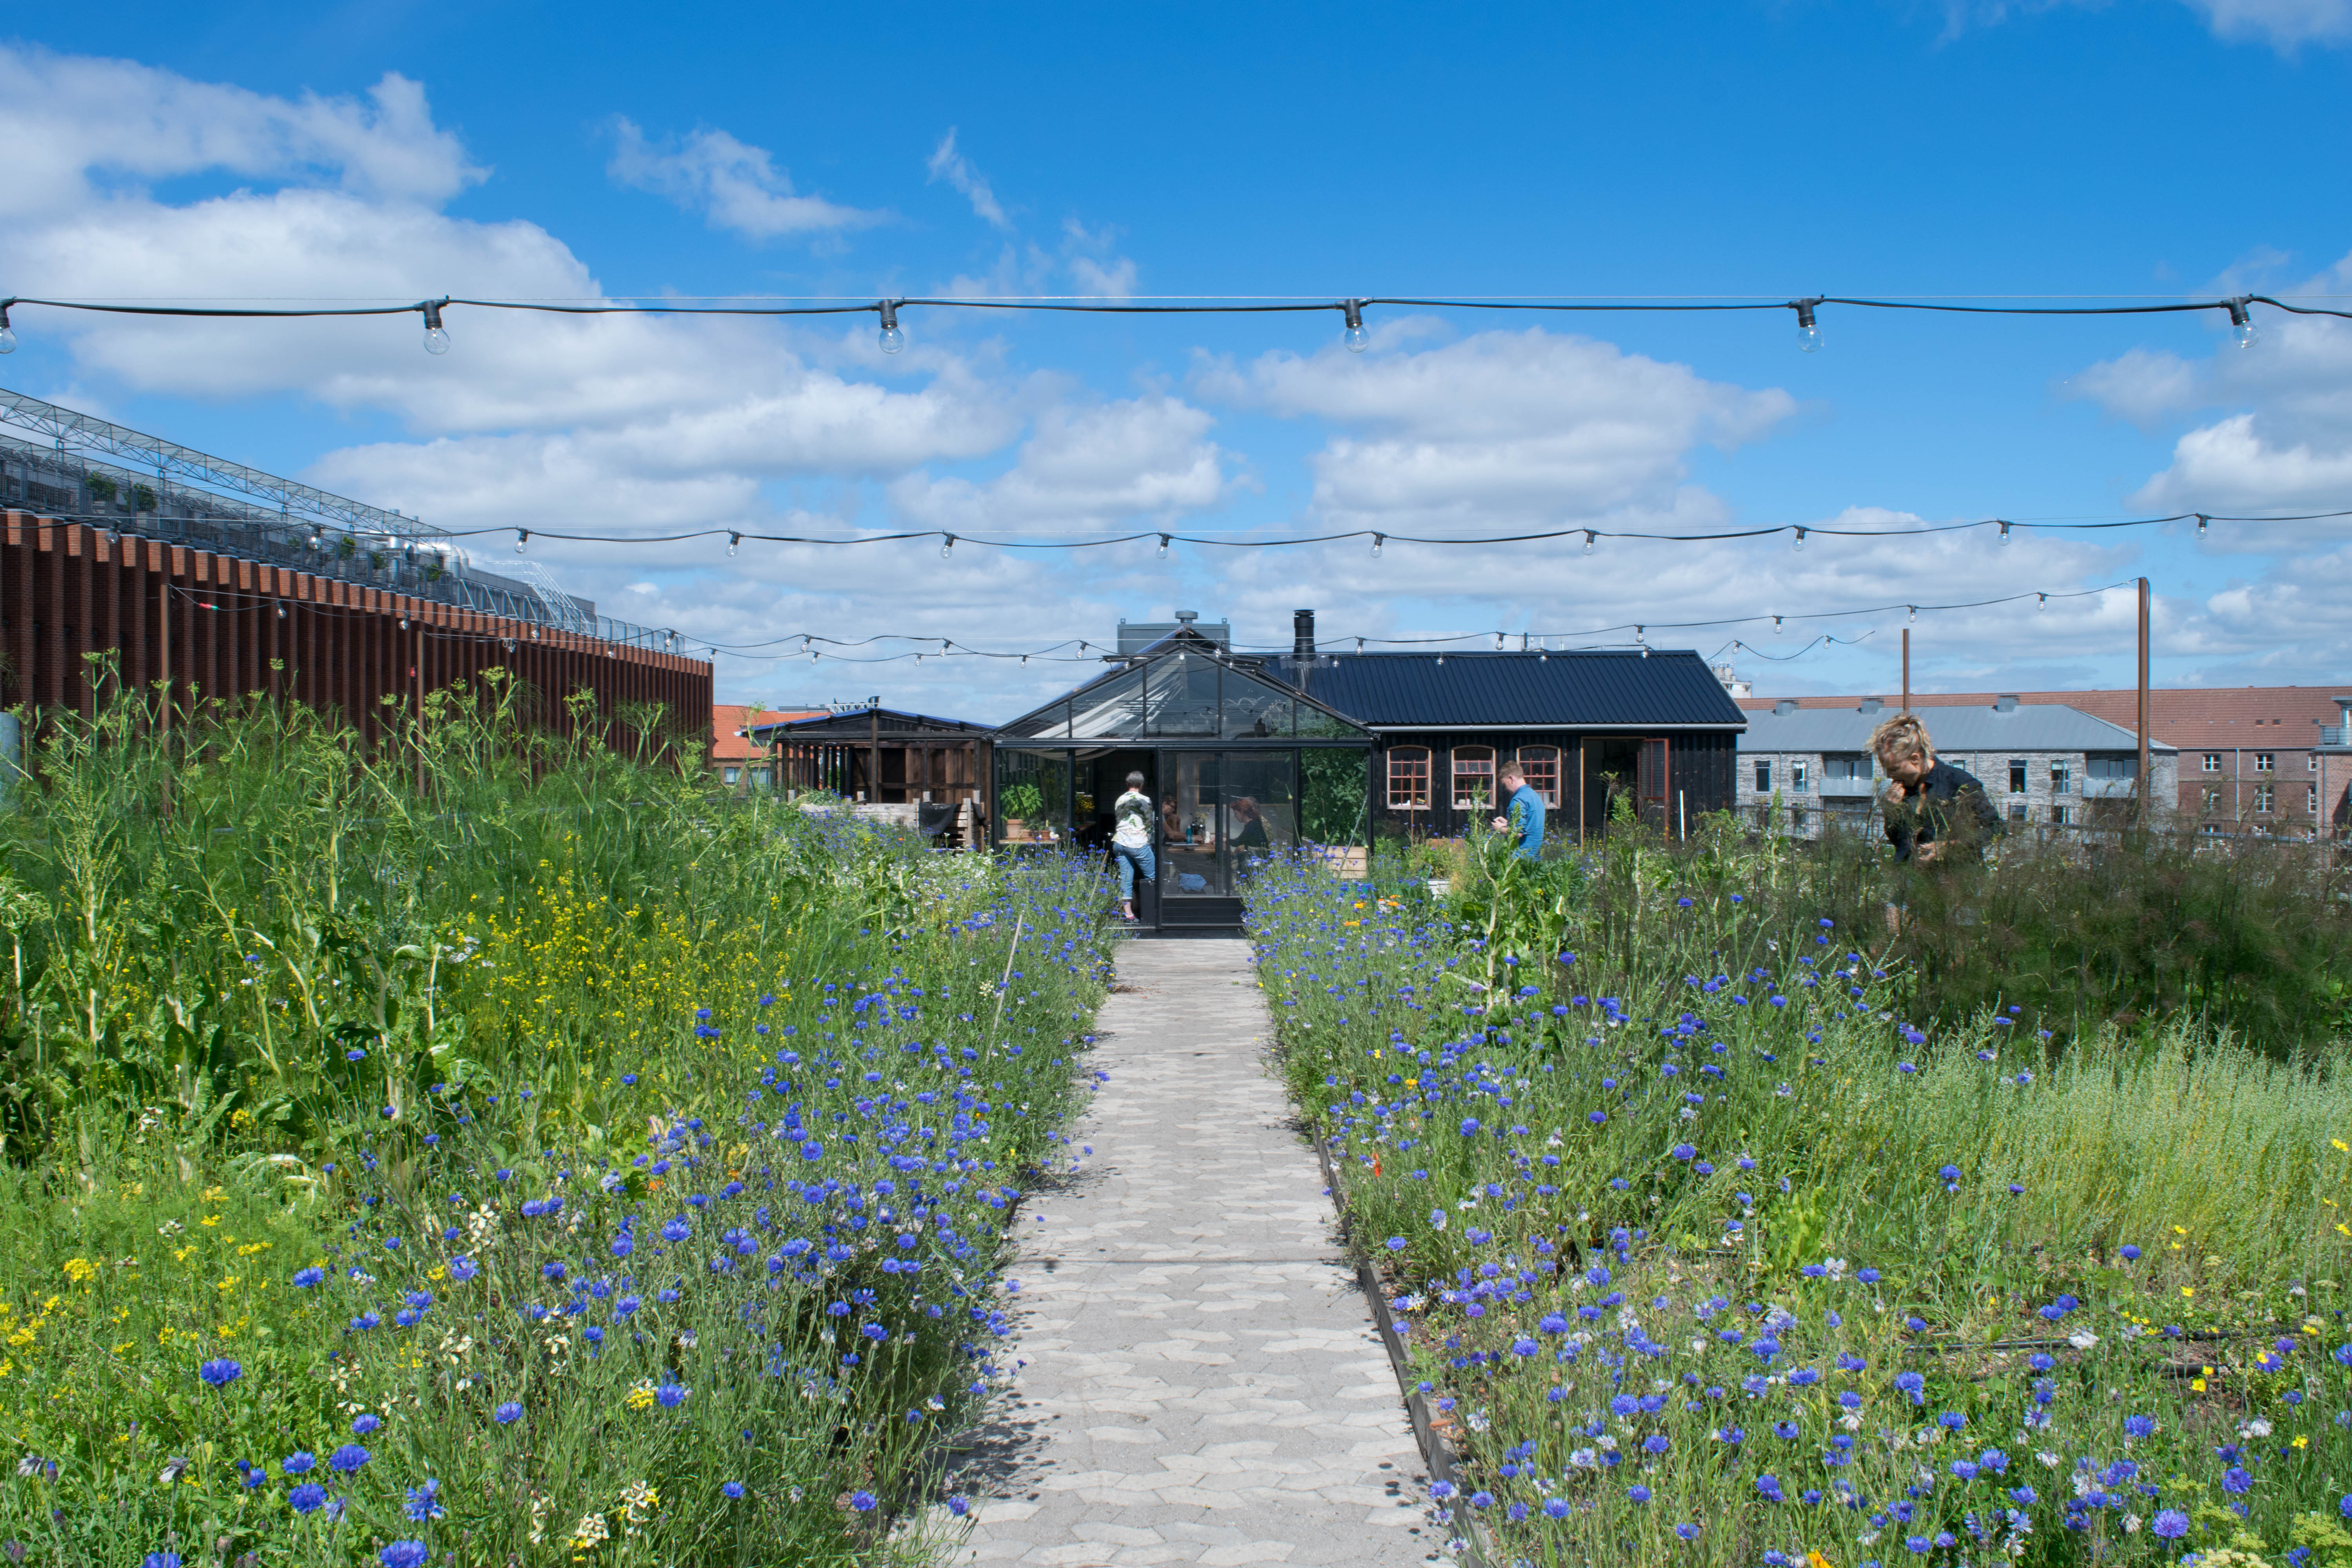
<point x="1558" y="690"/>
<point x="860" y="722"/>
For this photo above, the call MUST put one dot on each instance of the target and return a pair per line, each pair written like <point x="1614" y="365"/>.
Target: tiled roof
<point x="2191" y="718"/>
<point x="729" y="720"/>
<point x="2028" y="727"/>
<point x="1674" y="688"/>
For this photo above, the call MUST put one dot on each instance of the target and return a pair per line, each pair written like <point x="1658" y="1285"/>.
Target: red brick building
<point x="2268" y="758"/>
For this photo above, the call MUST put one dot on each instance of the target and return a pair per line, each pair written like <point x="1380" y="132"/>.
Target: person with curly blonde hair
<point x="1933" y="810"/>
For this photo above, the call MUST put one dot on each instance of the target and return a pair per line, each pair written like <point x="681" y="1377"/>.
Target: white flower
<point x="1478" y="1421"/>
<point x="2131" y="1524"/>
<point x="1584" y="1459"/>
<point x="2082" y="1338"/>
<point x="2257" y="1428"/>
<point x="2049" y="1461"/>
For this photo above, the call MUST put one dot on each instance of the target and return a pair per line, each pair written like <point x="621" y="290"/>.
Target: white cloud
<point x="947" y="163"/>
<point x="2146" y="386"/>
<point x="81" y="132"/>
<point x="1499" y="426"/>
<point x="1143" y="460"/>
<point x="732" y="184"/>
<point x="2284" y="25"/>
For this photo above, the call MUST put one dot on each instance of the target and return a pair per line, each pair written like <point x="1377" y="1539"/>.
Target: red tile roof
<point x="2191" y="718"/>
<point x="729" y="720"/>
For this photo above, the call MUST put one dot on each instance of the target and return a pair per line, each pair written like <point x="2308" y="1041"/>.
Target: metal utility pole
<point x="2147" y="783"/>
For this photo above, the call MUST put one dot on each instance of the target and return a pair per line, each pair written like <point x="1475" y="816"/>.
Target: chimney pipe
<point x="1302" y="634"/>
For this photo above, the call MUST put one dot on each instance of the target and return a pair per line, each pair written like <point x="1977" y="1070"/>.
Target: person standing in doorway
<point x="1130" y="842"/>
<point x="1523" y="812"/>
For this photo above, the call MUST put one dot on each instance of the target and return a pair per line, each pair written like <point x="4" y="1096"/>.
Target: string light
<point x="2043" y="602"/>
<point x="947" y="544"/>
<point x="893" y="340"/>
<point x="1378" y="540"/>
<point x="734" y="543"/>
<point x="1808" y="336"/>
<point x="1588" y="540"/>
<point x="2004" y="533"/>
<point x="436" y="338"/>
<point x="7" y="333"/>
<point x="522" y="537"/>
<point x="1163" y="547"/>
<point x="1799" y="547"/>
<point x="2201" y="521"/>
<point x="1777" y="630"/>
<point x="1913" y="619"/>
<point x="1355" y="337"/>
<point x="2242" y="324"/>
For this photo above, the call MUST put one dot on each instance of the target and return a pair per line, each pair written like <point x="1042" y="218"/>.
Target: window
<point x="2212" y="761"/>
<point x="2062" y="815"/>
<point x="1541" y="766"/>
<point x="2311" y="800"/>
<point x="733" y="774"/>
<point x="2017" y="775"/>
<point x="2265" y="762"/>
<point x="2061" y="782"/>
<point x="1763" y="778"/>
<point x="1409" y="778"/>
<point x="1797" y="780"/>
<point x="2124" y="767"/>
<point x="2265" y="799"/>
<point x="2017" y="811"/>
<point x="2311" y="762"/>
<point x="1474" y="777"/>
<point x="2211" y="803"/>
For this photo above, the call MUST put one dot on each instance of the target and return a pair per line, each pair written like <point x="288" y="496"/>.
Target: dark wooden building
<point x="877" y="755"/>
<point x="1656" y="726"/>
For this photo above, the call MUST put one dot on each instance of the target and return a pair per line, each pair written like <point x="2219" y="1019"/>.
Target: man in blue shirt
<point x="1525" y="812"/>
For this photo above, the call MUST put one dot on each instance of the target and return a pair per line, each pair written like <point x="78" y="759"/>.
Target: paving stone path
<point x="1204" y="1384"/>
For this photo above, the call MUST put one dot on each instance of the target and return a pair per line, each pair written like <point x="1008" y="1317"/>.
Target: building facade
<point x="2255" y="758"/>
<point x="1808" y="770"/>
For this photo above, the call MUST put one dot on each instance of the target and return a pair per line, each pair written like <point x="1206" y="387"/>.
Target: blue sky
<point x="386" y="153"/>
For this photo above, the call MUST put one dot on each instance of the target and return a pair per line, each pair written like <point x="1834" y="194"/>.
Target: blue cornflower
<point x="363" y="1424"/>
<point x="733" y="1488"/>
<point x="308" y="1497"/>
<point x="405" y="1554"/>
<point x="425" y="1501"/>
<point x="861" y="1501"/>
<point x="463" y="1269"/>
<point x="671" y="1395"/>
<point x="507" y="1414"/>
<point x="220" y="1372"/>
<point x="347" y="1458"/>
<point x="299" y="1463"/>
<point x="677" y="1229"/>
<point x="2172" y="1524"/>
<point x="162" y="1560"/>
<point x="304" y="1279"/>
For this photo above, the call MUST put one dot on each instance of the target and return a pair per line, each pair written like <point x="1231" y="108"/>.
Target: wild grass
<point x="1716" y="1243"/>
<point x="492" y="1151"/>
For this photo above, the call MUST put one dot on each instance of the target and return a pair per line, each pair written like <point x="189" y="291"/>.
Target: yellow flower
<point x="641" y="1398"/>
<point x="2341" y="1146"/>
<point x="2302" y="1442"/>
<point x="80" y="1270"/>
<point x="214" y="1194"/>
<point x="2197" y="1383"/>
<point x="2187" y="1291"/>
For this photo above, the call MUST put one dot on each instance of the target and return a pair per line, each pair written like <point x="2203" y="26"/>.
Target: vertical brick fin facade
<point x="219" y="628"/>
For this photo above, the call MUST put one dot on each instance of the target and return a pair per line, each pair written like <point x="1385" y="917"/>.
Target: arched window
<point x="1474" y="777"/>
<point x="1409" y="778"/>
<point x="1541" y="766"/>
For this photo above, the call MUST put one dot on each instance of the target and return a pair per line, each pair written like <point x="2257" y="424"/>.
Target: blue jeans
<point x="1132" y="860"/>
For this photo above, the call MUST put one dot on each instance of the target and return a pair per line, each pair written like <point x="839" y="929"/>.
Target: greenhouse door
<point x="1219" y="808"/>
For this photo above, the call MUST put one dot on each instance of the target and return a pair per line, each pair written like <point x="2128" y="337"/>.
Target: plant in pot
<point x="1021" y="804"/>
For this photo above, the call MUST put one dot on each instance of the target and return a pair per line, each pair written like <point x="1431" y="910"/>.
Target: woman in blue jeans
<point x="1130" y="842"/>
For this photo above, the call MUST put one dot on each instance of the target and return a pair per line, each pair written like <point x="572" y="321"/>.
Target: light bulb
<point x="522" y="537"/>
<point x="1163" y="547"/>
<point x="436" y="340"/>
<point x="1777" y="629"/>
<point x="893" y="340"/>
<point x="1913" y="618"/>
<point x="2043" y="602"/>
<point x="2004" y="533"/>
<point x="1378" y="540"/>
<point x="1799" y="547"/>
<point x="2242" y="324"/>
<point x="1637" y="633"/>
<point x="1355" y="337"/>
<point x="1588" y="541"/>
<point x="2201" y="521"/>
<point x="8" y="334"/>
<point x="733" y="540"/>
<point x="947" y="544"/>
<point x="1809" y="335"/>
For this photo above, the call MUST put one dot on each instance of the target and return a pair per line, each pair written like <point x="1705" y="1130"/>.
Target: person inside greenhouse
<point x="1249" y="824"/>
<point x="1523" y="812"/>
<point x="1130" y="842"/>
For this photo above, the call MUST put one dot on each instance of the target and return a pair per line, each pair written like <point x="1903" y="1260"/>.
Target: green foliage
<point x="1022" y="802"/>
<point x="298" y="1037"/>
